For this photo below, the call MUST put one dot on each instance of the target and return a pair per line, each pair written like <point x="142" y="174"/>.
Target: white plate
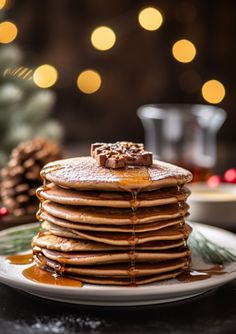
<point x="167" y="291"/>
<point x="215" y="206"/>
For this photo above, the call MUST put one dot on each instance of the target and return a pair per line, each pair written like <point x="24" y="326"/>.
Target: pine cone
<point x="21" y="176"/>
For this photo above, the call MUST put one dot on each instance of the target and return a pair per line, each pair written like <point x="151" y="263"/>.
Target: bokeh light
<point x="150" y="18"/>
<point x="45" y="76"/>
<point x="230" y="175"/>
<point x="103" y="38"/>
<point x="2" y="3"/>
<point x="184" y="51"/>
<point x="214" y="181"/>
<point x="213" y="91"/>
<point x="8" y="32"/>
<point x="89" y="81"/>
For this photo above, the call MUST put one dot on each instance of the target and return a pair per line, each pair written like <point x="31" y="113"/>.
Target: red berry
<point x="214" y="181"/>
<point x="230" y="175"/>
<point x="3" y="211"/>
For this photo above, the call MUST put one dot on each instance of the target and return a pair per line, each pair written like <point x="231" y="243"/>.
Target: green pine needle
<point x="209" y="251"/>
<point x="17" y="241"/>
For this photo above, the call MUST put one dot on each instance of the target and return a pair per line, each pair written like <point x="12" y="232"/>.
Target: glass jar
<point x="183" y="134"/>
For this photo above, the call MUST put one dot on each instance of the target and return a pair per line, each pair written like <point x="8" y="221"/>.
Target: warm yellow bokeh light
<point x="89" y="81"/>
<point x="103" y="38"/>
<point x="213" y="91"/>
<point x="184" y="51"/>
<point x="2" y="3"/>
<point x="45" y="76"/>
<point x="150" y="18"/>
<point x="8" y="32"/>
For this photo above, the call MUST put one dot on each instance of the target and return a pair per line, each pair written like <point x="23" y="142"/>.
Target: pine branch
<point x="209" y="251"/>
<point x="17" y="241"/>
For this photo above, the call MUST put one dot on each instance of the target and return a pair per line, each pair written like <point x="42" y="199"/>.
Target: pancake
<point x="126" y="281"/>
<point x="114" y="216"/>
<point x="63" y="244"/>
<point x="113" y="270"/>
<point x="121" y="239"/>
<point x="112" y="199"/>
<point x="111" y="228"/>
<point x="97" y="258"/>
<point x="116" y="281"/>
<point x="83" y="173"/>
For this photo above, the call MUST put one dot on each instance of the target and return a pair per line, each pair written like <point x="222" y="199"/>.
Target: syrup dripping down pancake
<point x="110" y="257"/>
<point x="114" y="216"/>
<point x="121" y="239"/>
<point x="113" y="199"/>
<point x="121" y="281"/>
<point x="63" y="244"/>
<point x="111" y="228"/>
<point x="83" y="173"/>
<point x="113" y="270"/>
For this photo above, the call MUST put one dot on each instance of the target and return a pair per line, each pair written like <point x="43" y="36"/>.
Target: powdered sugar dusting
<point x="69" y="323"/>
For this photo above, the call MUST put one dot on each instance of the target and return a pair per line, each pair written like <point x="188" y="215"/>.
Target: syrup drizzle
<point x="44" y="187"/>
<point x="36" y="274"/>
<point x="41" y="199"/>
<point x="134" y="239"/>
<point x="133" y="180"/>
<point x="181" y="212"/>
<point x="194" y="275"/>
<point x="20" y="259"/>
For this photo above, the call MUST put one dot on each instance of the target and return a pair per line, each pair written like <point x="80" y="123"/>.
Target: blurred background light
<point x="103" y="38"/>
<point x="184" y="51"/>
<point x="8" y="32"/>
<point x="150" y="18"/>
<point x="2" y="3"/>
<point x="213" y="91"/>
<point x="140" y="67"/>
<point x="89" y="81"/>
<point x="45" y="76"/>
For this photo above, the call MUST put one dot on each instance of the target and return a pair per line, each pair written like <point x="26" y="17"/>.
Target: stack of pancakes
<point x="119" y="227"/>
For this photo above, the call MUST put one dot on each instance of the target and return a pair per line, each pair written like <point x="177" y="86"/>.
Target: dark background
<point x="140" y="67"/>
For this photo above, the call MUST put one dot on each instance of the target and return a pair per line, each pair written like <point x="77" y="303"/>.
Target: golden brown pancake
<point x="121" y="239"/>
<point x="91" y="258"/>
<point x="126" y="281"/>
<point x="114" y="216"/>
<point x="50" y="241"/>
<point x="113" y="199"/>
<point x="83" y="173"/>
<point x="121" y="281"/>
<point x="111" y="228"/>
<point x="113" y="270"/>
